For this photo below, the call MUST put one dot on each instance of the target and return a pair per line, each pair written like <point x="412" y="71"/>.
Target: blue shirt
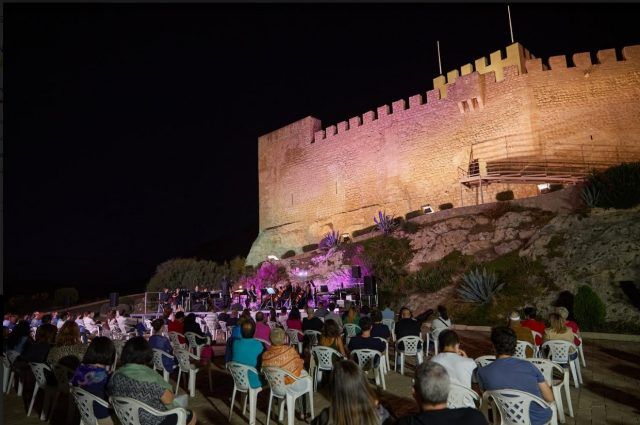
<point x="387" y="313"/>
<point x="162" y="343"/>
<point x="248" y="351"/>
<point x="515" y="374"/>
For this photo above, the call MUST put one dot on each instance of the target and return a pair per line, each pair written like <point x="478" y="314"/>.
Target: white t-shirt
<point x="460" y="369"/>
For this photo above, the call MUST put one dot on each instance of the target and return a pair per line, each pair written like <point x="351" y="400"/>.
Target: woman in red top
<point x="532" y="323"/>
<point x="294" y="322"/>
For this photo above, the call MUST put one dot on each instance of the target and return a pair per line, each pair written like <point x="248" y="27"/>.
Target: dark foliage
<point x="413" y="214"/>
<point x="618" y="186"/>
<point x="289" y="254"/>
<point x="588" y="308"/>
<point x="507" y="195"/>
<point x="446" y="206"/>
<point x="310" y="247"/>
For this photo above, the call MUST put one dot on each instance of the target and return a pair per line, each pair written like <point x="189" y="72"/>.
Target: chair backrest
<point x="365" y="357"/>
<point x="119" y="345"/>
<point x="559" y="350"/>
<point x="192" y="339"/>
<point x="183" y="358"/>
<point x="324" y="356"/>
<point x="63" y="374"/>
<point x="174" y="338"/>
<point x="482" y="361"/>
<point x="38" y="371"/>
<point x="293" y="335"/>
<point x="212" y="323"/>
<point x="240" y="374"/>
<point x="460" y="396"/>
<point x="12" y="355"/>
<point x="351" y="329"/>
<point x="546" y="367"/>
<point x="537" y="336"/>
<point x="410" y="344"/>
<point x="128" y="411"/>
<point x="521" y="349"/>
<point x="514" y="405"/>
<point x="435" y="334"/>
<point x="390" y="323"/>
<point x="147" y="325"/>
<point x="386" y="343"/>
<point x="5" y="361"/>
<point x="84" y="401"/>
<point x="275" y="376"/>
<point x="313" y="336"/>
<point x="223" y="325"/>
<point x="157" y="359"/>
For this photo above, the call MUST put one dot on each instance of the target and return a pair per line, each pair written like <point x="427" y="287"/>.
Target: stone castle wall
<point x="400" y="157"/>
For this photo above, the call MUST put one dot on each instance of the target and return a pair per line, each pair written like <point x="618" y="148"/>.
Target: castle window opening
<point x="474" y="104"/>
<point x="426" y="209"/>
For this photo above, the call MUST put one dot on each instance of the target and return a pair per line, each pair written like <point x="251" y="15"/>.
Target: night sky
<point x="131" y="130"/>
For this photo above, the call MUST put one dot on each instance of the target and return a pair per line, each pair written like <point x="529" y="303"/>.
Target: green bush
<point x="588" y="309"/>
<point x="388" y="257"/>
<point x="288" y="254"/>
<point x="617" y="187"/>
<point x="310" y="247"/>
<point x="446" y="206"/>
<point x="187" y="273"/>
<point x="364" y="231"/>
<point x="507" y="195"/>
<point x="413" y="214"/>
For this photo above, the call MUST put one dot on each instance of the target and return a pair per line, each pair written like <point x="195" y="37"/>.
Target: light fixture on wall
<point x="544" y="187"/>
<point x="345" y="237"/>
<point x="426" y="209"/>
<point x="272" y="257"/>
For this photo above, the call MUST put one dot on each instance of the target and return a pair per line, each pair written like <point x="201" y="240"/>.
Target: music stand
<point x="270" y="293"/>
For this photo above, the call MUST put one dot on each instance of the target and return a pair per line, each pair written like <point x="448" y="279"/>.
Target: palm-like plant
<point x="479" y="286"/>
<point x="330" y="240"/>
<point x="385" y="223"/>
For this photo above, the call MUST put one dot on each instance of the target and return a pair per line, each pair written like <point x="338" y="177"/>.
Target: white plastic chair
<point x="387" y="366"/>
<point x="41" y="384"/>
<point x="410" y="349"/>
<point x="434" y="335"/>
<point x="513" y="406"/>
<point x="185" y="366"/>
<point x="536" y="336"/>
<point x="174" y="338"/>
<point x="559" y="353"/>
<point x="119" y="345"/>
<point x="240" y="374"/>
<point x="482" y="361"/>
<point x="366" y="359"/>
<point x="84" y="402"/>
<point x="521" y="349"/>
<point x="547" y="367"/>
<point x="11" y="357"/>
<point x="391" y="324"/>
<point x="323" y="362"/>
<point x="128" y="411"/>
<point x="6" y="371"/>
<point x="351" y="330"/>
<point x="288" y="393"/>
<point x="312" y="336"/>
<point x="192" y="341"/>
<point x="294" y="338"/>
<point x="460" y="396"/>
<point x="158" y="364"/>
<point x="62" y="374"/>
<point x="212" y="326"/>
<point x="580" y="349"/>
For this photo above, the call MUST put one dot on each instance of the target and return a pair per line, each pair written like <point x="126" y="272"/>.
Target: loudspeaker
<point x="370" y="287"/>
<point x="355" y="272"/>
<point x="113" y="299"/>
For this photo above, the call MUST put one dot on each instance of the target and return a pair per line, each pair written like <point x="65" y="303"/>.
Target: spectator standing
<point x="431" y="390"/>
<point x="531" y="323"/>
<point x="508" y="372"/>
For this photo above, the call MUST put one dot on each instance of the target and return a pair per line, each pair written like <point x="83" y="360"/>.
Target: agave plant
<point x="479" y="286"/>
<point x="590" y="195"/>
<point x="385" y="223"/>
<point x="330" y="240"/>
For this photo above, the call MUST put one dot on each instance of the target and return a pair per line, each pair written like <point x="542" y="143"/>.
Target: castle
<point x="509" y="123"/>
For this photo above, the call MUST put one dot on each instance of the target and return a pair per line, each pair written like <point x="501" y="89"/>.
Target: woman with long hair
<point x="68" y="350"/>
<point x="331" y="337"/>
<point x="353" y="316"/>
<point x="353" y="402"/>
<point x="293" y="321"/>
<point x="557" y="330"/>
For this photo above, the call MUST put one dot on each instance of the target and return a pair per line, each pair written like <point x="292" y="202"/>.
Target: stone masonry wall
<point x="400" y="157"/>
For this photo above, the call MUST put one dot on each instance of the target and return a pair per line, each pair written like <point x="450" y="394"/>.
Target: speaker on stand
<point x="371" y="289"/>
<point x="113" y="299"/>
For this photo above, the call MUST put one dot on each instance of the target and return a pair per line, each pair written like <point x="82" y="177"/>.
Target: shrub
<point x="590" y="195"/>
<point x="387" y="256"/>
<point x="364" y="231"/>
<point x="479" y="286"/>
<point x="330" y="240"/>
<point x="288" y="254"/>
<point x="385" y="223"/>
<point x="429" y="280"/>
<point x="186" y="273"/>
<point x="410" y="227"/>
<point x="507" y="195"/>
<point x="446" y="206"/>
<point x="66" y="296"/>
<point x="588" y="309"/>
<point x="310" y="247"/>
<point x="554" y="246"/>
<point x="618" y="186"/>
<point x="413" y="214"/>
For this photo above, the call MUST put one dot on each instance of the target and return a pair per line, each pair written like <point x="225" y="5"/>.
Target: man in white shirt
<point x="89" y="323"/>
<point x="459" y="367"/>
<point x="333" y="316"/>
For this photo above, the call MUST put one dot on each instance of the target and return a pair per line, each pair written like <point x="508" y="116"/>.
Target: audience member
<point x="286" y="357"/>
<point x="387" y="313"/>
<point x="508" y="372"/>
<point x="352" y="399"/>
<point x="331" y="337"/>
<point x="93" y="374"/>
<point x="262" y="330"/>
<point x="352" y="316"/>
<point x="89" y="323"/>
<point x="407" y="326"/>
<point x="293" y="321"/>
<point x="39" y="350"/>
<point x="161" y="342"/>
<point x="46" y="319"/>
<point x="531" y="323"/>
<point x="311" y="322"/>
<point x="36" y="319"/>
<point x="283" y="317"/>
<point x="223" y="316"/>
<point x="557" y="330"/>
<point x="233" y="319"/>
<point x="459" y="367"/>
<point x="20" y="338"/>
<point x="191" y="325"/>
<point x="333" y="316"/>
<point x="564" y="313"/>
<point x="64" y="316"/>
<point x="177" y="325"/>
<point x="431" y="390"/>
<point x="321" y="311"/>
<point x="366" y="341"/>
<point x="522" y="333"/>
<point x="379" y="329"/>
<point x="365" y="311"/>
<point x="442" y="321"/>
<point x="247" y="350"/>
<point x="135" y="379"/>
<point x="69" y="350"/>
<point x="273" y="318"/>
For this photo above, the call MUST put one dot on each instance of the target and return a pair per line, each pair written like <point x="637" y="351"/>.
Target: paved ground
<point x="610" y="395"/>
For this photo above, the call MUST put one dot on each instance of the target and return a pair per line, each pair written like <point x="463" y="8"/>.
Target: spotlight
<point x="426" y="209"/>
<point x="272" y="257"/>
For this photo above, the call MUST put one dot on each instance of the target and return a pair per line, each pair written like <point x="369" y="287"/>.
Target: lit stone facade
<point x="411" y="153"/>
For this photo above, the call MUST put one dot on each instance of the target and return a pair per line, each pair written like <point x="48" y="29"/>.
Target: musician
<point x="164" y="299"/>
<point x="308" y="294"/>
<point x="176" y="298"/>
<point x="252" y="295"/>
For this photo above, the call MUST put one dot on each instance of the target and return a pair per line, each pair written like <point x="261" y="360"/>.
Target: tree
<point x="66" y="296"/>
